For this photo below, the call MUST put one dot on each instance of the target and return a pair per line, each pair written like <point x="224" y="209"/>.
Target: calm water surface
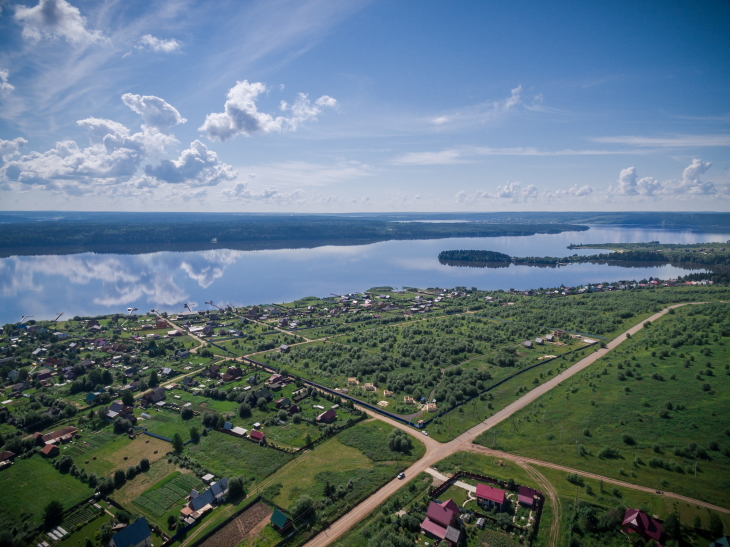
<point x="93" y="284"/>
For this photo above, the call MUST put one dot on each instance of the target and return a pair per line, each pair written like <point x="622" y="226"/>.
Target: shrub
<point x="574" y="478"/>
<point x="587" y="432"/>
<point x="706" y="387"/>
<point x="609" y="453"/>
<point x="628" y="439"/>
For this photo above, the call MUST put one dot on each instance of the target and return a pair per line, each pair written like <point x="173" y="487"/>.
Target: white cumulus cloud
<point x="196" y="166"/>
<point x="629" y="183"/>
<point x="242" y="117"/>
<point x="8" y="149"/>
<point x="157" y="113"/>
<point x="55" y="19"/>
<point x="159" y="45"/>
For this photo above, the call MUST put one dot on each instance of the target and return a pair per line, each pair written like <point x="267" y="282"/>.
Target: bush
<point x="628" y="439"/>
<point x="609" y="453"/>
<point x="187" y="413"/>
<point x="706" y="387"/>
<point x="574" y="478"/>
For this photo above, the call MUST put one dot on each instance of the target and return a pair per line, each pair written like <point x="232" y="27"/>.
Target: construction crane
<point x="56" y="319"/>
<point x="22" y="319"/>
<point x="210" y="303"/>
<point x="130" y="311"/>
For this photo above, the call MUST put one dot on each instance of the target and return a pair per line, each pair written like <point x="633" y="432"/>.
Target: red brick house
<point x="638" y="522"/>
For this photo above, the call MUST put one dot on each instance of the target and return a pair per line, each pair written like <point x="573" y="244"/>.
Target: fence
<point x="399" y="418"/>
<point x="542" y="326"/>
<point x="336" y="394"/>
<point x="218" y="527"/>
<point x="538" y="506"/>
<point x="156" y="436"/>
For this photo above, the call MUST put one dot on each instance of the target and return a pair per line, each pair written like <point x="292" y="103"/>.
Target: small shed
<point x="280" y="521"/>
<point x="528" y="344"/>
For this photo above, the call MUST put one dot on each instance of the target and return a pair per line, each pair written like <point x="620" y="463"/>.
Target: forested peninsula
<point x="267" y="232"/>
<point x="714" y="256"/>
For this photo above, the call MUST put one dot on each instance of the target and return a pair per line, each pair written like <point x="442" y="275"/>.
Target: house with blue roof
<point x="137" y="534"/>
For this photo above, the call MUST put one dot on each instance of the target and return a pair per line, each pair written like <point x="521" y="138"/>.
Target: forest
<point x="239" y="233"/>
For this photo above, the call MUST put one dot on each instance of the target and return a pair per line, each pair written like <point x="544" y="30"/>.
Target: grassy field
<point x="302" y="475"/>
<point x="29" y="485"/>
<point x="117" y="453"/>
<point x="228" y="456"/>
<point x="641" y="414"/>
<point x="371" y="438"/>
<point x="167" y="423"/>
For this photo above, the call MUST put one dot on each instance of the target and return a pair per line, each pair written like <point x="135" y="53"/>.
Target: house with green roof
<point x="280" y="521"/>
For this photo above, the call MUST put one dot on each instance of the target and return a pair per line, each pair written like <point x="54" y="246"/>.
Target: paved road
<point x="436" y="451"/>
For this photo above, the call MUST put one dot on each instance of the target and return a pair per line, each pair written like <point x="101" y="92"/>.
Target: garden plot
<point x="160" y="498"/>
<point x="244" y="526"/>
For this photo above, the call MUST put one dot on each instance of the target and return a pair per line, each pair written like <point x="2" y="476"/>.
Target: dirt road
<point x="436" y="451"/>
<point x="608" y="480"/>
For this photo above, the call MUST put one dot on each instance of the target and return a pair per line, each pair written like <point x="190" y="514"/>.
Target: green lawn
<point x="167" y="423"/>
<point x="31" y="484"/>
<point x="89" y="530"/>
<point x="649" y="409"/>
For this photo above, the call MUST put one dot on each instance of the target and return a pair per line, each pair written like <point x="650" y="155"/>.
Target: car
<point x="425" y="433"/>
<point x="401" y="476"/>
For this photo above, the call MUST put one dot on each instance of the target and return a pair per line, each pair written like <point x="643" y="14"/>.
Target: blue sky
<point x="320" y="106"/>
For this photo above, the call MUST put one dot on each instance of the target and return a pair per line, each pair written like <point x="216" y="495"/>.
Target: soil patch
<point x="241" y="528"/>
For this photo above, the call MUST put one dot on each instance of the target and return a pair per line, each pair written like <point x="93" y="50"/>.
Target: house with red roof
<point x="489" y="496"/>
<point x="442" y="521"/>
<point x="327" y="417"/>
<point x="638" y="522"/>
<point x="256" y="436"/>
<point x="50" y="450"/>
<point x="526" y="497"/>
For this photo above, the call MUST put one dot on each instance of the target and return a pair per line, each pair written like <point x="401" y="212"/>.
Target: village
<point x="163" y="429"/>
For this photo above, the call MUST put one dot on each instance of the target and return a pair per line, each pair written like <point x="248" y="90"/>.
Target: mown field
<point x="653" y="412"/>
<point x="31" y="484"/>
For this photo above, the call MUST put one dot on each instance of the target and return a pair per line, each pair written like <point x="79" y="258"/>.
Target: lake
<point x="96" y="284"/>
